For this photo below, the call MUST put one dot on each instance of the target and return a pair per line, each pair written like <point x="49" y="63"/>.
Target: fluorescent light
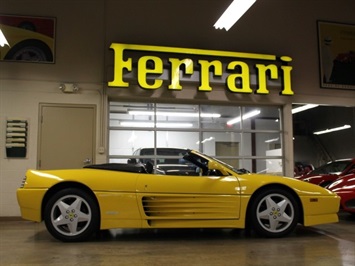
<point x="137" y="124"/>
<point x="210" y="115"/>
<point x="172" y="125"/>
<point x="176" y="114"/>
<point x="303" y="108"/>
<point x="205" y="140"/>
<point x="3" y="40"/>
<point x="272" y="140"/>
<point x="160" y="124"/>
<point x="141" y="112"/>
<point x="246" y="116"/>
<point x="331" y="130"/>
<point x="233" y="13"/>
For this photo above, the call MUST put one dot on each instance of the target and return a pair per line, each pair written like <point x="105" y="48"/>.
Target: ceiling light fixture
<point x="3" y="40"/>
<point x="245" y="116"/>
<point x="331" y="130"/>
<point x="160" y="124"/>
<point x="205" y="140"/>
<point x="177" y="114"/>
<point x="272" y="140"/>
<point x="233" y="13"/>
<point x="303" y="108"/>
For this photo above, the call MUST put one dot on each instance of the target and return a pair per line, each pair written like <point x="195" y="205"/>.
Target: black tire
<point x="30" y="50"/>
<point x="71" y="215"/>
<point x="274" y="213"/>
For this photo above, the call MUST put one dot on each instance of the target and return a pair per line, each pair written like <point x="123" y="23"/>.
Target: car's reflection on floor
<point x="331" y="244"/>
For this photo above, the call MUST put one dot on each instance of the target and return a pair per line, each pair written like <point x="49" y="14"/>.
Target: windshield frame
<point x="225" y="165"/>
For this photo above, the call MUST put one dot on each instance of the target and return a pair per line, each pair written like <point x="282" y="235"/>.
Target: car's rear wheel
<point x="274" y="213"/>
<point x="71" y="215"/>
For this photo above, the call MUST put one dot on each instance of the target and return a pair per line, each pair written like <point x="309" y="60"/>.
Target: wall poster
<point x="30" y="39"/>
<point x="336" y="43"/>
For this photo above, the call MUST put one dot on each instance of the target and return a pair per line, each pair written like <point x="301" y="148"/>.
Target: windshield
<point x="332" y="168"/>
<point x="238" y="171"/>
<point x="228" y="166"/>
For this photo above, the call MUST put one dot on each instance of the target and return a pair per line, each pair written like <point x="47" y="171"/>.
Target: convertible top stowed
<point x="133" y="168"/>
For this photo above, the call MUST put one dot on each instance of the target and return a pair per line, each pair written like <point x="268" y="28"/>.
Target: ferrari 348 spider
<point x="197" y="192"/>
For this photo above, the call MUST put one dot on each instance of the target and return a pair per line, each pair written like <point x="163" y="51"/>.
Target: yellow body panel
<point x="320" y="210"/>
<point x="30" y="201"/>
<point x="118" y="210"/>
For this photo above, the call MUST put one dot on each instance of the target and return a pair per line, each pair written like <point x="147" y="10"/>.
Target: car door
<point x="170" y="200"/>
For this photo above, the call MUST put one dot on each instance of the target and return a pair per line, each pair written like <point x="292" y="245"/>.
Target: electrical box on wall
<point x="16" y="138"/>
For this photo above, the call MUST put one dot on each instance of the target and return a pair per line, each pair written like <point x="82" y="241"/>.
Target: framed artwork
<point x="30" y="39"/>
<point x="336" y="44"/>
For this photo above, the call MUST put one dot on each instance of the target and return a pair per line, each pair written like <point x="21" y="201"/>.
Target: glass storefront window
<point x="220" y="117"/>
<point x="261" y="118"/>
<point x="177" y="139"/>
<point x="260" y="143"/>
<point x="221" y="143"/>
<point x="244" y="136"/>
<point x="270" y="166"/>
<point x="126" y="142"/>
<point x="131" y="115"/>
<point x="177" y="116"/>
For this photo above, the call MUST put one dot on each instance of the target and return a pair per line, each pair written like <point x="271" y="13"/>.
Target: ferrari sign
<point x="151" y="66"/>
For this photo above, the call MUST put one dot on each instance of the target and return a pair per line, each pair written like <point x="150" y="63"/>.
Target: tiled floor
<point x="27" y="243"/>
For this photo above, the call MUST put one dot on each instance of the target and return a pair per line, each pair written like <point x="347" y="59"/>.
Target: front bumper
<point x="30" y="201"/>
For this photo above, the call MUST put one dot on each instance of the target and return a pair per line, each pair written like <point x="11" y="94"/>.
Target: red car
<point x="329" y="172"/>
<point x="345" y="188"/>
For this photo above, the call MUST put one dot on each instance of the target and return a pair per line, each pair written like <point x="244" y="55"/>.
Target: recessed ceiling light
<point x="233" y="13"/>
<point x="176" y="114"/>
<point x="331" y="130"/>
<point x="303" y="108"/>
<point x="245" y="116"/>
<point x="158" y="124"/>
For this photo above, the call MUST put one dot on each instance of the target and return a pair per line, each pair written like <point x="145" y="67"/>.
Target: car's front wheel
<point x="274" y="213"/>
<point x="71" y="215"/>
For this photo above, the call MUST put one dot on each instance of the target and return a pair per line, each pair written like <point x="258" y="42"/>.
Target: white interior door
<point x="66" y="136"/>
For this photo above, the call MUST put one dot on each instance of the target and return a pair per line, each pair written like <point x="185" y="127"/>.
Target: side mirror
<point x="214" y="172"/>
<point x="215" y="169"/>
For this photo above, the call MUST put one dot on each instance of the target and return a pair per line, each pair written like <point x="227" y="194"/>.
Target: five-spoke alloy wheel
<point x="71" y="215"/>
<point x="274" y="213"/>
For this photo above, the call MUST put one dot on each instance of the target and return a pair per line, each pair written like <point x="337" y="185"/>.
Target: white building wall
<point x="17" y="100"/>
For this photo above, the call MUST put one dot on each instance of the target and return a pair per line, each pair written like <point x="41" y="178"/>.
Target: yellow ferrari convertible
<point x="194" y="191"/>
